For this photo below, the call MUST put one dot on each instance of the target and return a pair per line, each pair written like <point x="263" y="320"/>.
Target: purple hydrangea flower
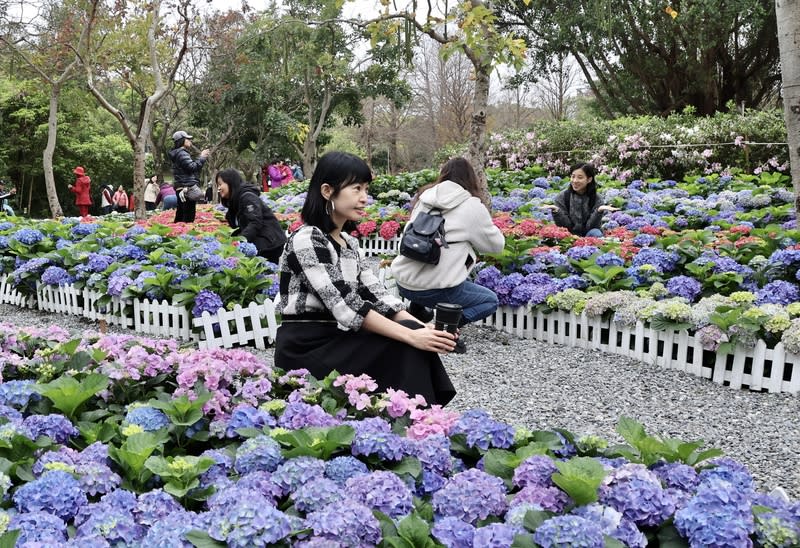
<point x="149" y="418"/>
<point x="155" y="505"/>
<point x="677" y="475"/>
<point x="684" y="286"/>
<point x="28" y="236"/>
<point x="639" y="499"/>
<point x="660" y="259"/>
<point x="96" y="478"/>
<point x="259" y="453"/>
<point x="386" y="445"/>
<point x="348" y="522"/>
<point x="778" y="292"/>
<point x="340" y="469"/>
<point x="381" y="490"/>
<point x="471" y="495"/>
<point x="569" y="530"/>
<point x="115" y="525"/>
<point x="56" y="492"/>
<point x="496" y="535"/>
<point x="613" y="524"/>
<point x="644" y="240"/>
<point x="117" y="283"/>
<point x="38" y="527"/>
<point x="609" y="259"/>
<point x="18" y="394"/>
<point x="729" y="470"/>
<point x="206" y="301"/>
<point x="317" y="494"/>
<point x="57" y="427"/>
<point x="551" y="499"/>
<point x="229" y="494"/>
<point x="453" y="533"/>
<point x="170" y="531"/>
<point x="580" y="253"/>
<point x="489" y="277"/>
<point x="299" y="414"/>
<point x="296" y="472"/>
<point x="481" y="431"/>
<point x="535" y="470"/>
<point x="248" y="524"/>
<point x="433" y="453"/>
<point x="719" y="514"/>
<point x="262" y="483"/>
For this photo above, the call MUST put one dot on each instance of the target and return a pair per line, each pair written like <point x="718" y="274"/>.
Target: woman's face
<point x="349" y="204"/>
<point x="579" y="181"/>
<point x="223" y="188"/>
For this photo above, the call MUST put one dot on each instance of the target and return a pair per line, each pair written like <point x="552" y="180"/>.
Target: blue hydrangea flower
<point x="778" y="529"/>
<point x="28" y="236"/>
<point x="719" y="514"/>
<point x="96" y="478"/>
<point x="299" y="414"/>
<point x="677" y="475"/>
<point x="482" y="431"/>
<point x="662" y="261"/>
<point x="3" y="242"/>
<point x="729" y="470"/>
<point x="259" y="453"/>
<point x="55" y="492"/>
<point x="84" y="229"/>
<point x="471" y="495"/>
<point x="644" y="240"/>
<point x="248" y="249"/>
<point x="433" y="453"/>
<point x="609" y="259"/>
<point x="340" y="469"/>
<point x="386" y="445"/>
<point x="562" y="531"/>
<point x="115" y="525"/>
<point x="535" y="470"/>
<point x="453" y="533"/>
<point x="206" y="301"/>
<point x="551" y="499"/>
<point x="149" y="418"/>
<point x="640" y="499"/>
<point x="296" y="472"/>
<point x="5" y="225"/>
<point x="580" y="253"/>
<point x="248" y="524"/>
<point x="247" y="416"/>
<point x="262" y="483"/>
<point x="18" y="394"/>
<point x="381" y="490"/>
<point x="348" y="522"/>
<point x="778" y="292"/>
<point x="489" y="277"/>
<point x="170" y="531"/>
<point x="56" y="276"/>
<point x="38" y="526"/>
<point x="117" y="283"/>
<point x="613" y="524"/>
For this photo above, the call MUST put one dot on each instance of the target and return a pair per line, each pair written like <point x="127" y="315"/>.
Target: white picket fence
<point x="375" y="245"/>
<point x="759" y="368"/>
<point x="240" y="326"/>
<point x="11" y="295"/>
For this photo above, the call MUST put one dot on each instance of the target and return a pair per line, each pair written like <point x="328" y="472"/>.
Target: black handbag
<point x="424" y="238"/>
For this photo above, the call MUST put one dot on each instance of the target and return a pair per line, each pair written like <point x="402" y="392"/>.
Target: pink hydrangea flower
<point x="427" y="422"/>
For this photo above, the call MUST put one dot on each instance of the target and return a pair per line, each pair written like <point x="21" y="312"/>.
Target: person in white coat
<point x="469" y="230"/>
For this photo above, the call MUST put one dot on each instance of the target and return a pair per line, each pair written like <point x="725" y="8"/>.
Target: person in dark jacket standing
<point x="185" y="173"/>
<point x="251" y="217"/>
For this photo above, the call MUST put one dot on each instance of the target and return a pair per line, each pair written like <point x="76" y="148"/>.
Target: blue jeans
<point x="477" y="301"/>
<point x="594" y="233"/>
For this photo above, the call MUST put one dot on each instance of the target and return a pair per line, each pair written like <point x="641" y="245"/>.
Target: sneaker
<point x="461" y="346"/>
<point x="420" y="312"/>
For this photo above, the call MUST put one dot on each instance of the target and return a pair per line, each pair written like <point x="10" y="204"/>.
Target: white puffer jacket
<point x="469" y="229"/>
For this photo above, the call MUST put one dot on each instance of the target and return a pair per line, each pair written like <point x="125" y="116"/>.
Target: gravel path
<point x="537" y="385"/>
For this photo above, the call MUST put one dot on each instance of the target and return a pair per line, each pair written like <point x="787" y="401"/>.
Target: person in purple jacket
<point x="166" y="196"/>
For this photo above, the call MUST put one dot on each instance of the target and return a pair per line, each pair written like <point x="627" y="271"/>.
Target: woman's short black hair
<point x="338" y="169"/>
<point x="591" y="188"/>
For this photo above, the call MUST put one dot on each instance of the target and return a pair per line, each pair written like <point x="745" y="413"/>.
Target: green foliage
<point x="314" y="441"/>
<point x="68" y="393"/>
<point x="580" y="477"/>
<point x="650" y="449"/>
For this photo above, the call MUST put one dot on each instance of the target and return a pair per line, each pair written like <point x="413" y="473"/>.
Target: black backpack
<point x="424" y="238"/>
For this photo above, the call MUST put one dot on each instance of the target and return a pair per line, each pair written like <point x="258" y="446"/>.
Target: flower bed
<point x="144" y="445"/>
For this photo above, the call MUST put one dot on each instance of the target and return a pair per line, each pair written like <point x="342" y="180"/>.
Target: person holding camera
<point x="578" y="208"/>
<point x="186" y="174"/>
<point x="468" y="230"/>
<point x="335" y="313"/>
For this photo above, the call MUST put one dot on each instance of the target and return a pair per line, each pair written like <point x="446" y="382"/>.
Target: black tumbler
<point x="447" y="317"/>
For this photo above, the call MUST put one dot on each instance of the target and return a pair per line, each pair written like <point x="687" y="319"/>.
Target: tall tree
<point x="472" y="28"/>
<point x="50" y="44"/>
<point x="149" y="77"/>
<point x="788" y="12"/>
<point x="650" y="57"/>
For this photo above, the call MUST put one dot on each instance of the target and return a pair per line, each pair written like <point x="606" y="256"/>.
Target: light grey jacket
<point x="469" y="229"/>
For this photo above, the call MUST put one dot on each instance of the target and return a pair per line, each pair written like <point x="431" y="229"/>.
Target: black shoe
<point x="461" y="346"/>
<point x="420" y="312"/>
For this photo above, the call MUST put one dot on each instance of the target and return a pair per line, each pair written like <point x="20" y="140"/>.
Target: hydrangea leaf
<point x="415" y="531"/>
<point x="580" y="478"/>
<point x="201" y="539"/>
<point x="500" y="463"/>
<point x="68" y="393"/>
<point x="534" y="518"/>
<point x="9" y="538"/>
<point x="523" y="541"/>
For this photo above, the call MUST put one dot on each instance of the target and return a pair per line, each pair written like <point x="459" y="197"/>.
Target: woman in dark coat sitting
<point x="251" y="217"/>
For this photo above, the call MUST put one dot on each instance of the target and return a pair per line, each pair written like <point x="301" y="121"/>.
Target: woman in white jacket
<point x="469" y="231"/>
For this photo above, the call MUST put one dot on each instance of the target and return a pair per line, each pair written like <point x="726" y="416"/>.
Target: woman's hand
<point x="432" y="340"/>
<point x="549" y="206"/>
<point x="607" y="208"/>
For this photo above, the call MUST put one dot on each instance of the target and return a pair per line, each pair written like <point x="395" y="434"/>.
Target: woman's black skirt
<point x="322" y="347"/>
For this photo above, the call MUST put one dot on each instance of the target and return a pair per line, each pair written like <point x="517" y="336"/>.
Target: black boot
<point x="420" y="312"/>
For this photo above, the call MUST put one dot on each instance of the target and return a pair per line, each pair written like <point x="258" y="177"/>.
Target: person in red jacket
<point x="83" y="198"/>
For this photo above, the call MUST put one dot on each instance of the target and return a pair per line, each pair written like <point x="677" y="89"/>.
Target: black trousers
<point x="185" y="212"/>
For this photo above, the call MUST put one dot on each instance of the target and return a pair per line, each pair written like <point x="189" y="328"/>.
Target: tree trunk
<point x="47" y="155"/>
<point x="788" y="15"/>
<point x="477" y="141"/>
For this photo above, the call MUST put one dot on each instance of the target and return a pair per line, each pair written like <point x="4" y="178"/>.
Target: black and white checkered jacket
<point x="316" y="277"/>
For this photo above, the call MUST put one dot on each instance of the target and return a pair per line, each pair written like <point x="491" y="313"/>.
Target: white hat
<point x="181" y="135"/>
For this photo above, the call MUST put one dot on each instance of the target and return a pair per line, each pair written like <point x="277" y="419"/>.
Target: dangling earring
<point x="330" y="207"/>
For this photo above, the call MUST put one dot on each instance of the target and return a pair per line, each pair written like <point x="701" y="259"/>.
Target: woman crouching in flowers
<point x="336" y="315"/>
<point x="578" y="208"/>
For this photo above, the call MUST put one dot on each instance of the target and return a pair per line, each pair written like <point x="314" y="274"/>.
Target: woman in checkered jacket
<point x="335" y="314"/>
